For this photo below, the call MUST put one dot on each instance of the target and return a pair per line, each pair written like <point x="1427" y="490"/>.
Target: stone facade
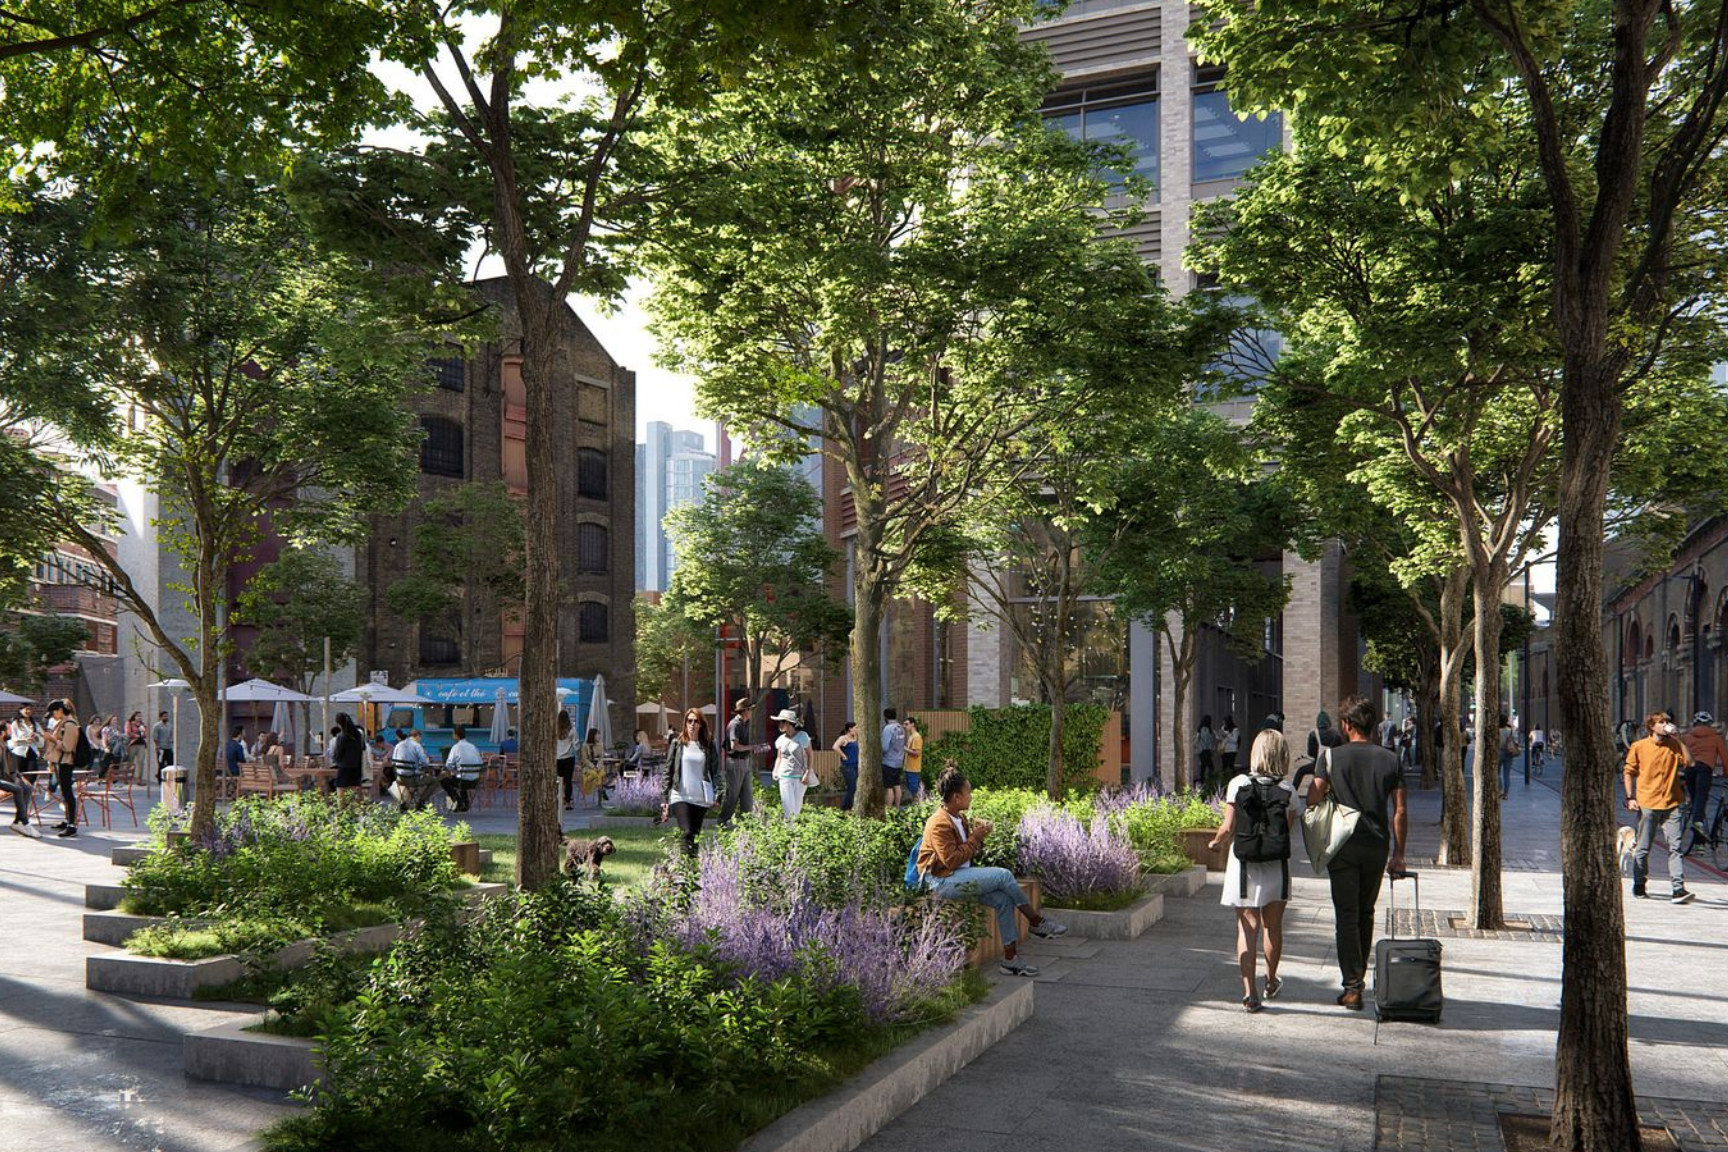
<point x="1664" y="632"/>
<point x="595" y="406"/>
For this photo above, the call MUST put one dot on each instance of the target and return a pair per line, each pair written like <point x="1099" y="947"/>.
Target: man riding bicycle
<point x="1709" y="755"/>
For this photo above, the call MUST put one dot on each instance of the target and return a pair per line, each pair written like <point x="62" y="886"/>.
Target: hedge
<point x="1010" y="747"/>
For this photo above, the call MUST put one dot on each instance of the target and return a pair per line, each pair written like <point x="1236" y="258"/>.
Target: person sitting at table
<point x="413" y="768"/>
<point x="19" y="787"/>
<point x="508" y="745"/>
<point x="236" y="751"/>
<point x="593" y="767"/>
<point x="463" y="763"/>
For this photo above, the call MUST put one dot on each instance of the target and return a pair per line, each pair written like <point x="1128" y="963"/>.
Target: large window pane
<point x="1133" y="125"/>
<point x="1225" y="147"/>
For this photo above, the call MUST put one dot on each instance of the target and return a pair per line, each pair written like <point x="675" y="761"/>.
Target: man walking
<point x="893" y="758"/>
<point x="1709" y="755"/>
<point x="1655" y="791"/>
<point x="740" y="771"/>
<point x="1366" y="777"/>
<point x="162" y="735"/>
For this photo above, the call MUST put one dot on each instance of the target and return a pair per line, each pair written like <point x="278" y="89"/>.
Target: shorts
<point x="913" y="784"/>
<point x="891" y="777"/>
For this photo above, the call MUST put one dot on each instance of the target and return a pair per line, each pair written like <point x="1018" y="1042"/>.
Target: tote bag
<point x="1326" y="826"/>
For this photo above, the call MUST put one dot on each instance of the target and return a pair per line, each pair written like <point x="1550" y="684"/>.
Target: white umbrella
<point x="600" y="712"/>
<point x="649" y="709"/>
<point x="9" y="698"/>
<point x="500" y="716"/>
<point x="263" y="692"/>
<point x="379" y="694"/>
<point x="282" y="723"/>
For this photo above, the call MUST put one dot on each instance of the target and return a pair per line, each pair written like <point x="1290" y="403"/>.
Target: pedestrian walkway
<point x="1144" y="1044"/>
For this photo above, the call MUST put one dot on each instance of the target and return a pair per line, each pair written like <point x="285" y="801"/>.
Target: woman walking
<point x="1205" y="741"/>
<point x="791" y="763"/>
<point x="695" y="782"/>
<point x="566" y="757"/>
<point x="1254" y="804"/>
<point x="1227" y="746"/>
<point x="847" y="745"/>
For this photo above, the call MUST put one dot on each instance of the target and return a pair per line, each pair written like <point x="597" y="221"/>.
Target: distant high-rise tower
<point x="671" y="466"/>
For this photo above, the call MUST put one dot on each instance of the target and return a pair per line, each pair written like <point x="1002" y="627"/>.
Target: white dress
<point x="1265" y="878"/>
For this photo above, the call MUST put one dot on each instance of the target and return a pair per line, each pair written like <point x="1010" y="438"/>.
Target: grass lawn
<point x="639" y="849"/>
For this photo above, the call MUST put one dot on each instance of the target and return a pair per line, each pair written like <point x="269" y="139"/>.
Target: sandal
<point x="1273" y="987"/>
<point x="1251" y="1003"/>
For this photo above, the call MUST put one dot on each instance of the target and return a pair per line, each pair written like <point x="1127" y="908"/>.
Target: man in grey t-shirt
<point x="740" y="779"/>
<point x="1366" y="777"/>
<point x="893" y="758"/>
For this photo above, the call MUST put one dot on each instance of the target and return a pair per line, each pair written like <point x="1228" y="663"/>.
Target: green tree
<point x="299" y="602"/>
<point x="862" y="247"/>
<point x="674" y="654"/>
<point x="31" y="644"/>
<point x="464" y="559"/>
<point x="249" y="375"/>
<point x="1622" y="106"/>
<point x="752" y="559"/>
<point x="1182" y="552"/>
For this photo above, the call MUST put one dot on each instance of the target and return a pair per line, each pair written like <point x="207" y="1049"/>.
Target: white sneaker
<point x="1018" y="967"/>
<point x="1049" y="927"/>
<point x="26" y="831"/>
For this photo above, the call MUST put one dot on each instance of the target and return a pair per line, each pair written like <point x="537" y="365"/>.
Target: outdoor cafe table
<point x="40" y="797"/>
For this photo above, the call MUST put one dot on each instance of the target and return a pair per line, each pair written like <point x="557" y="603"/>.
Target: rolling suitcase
<point x="1406" y="972"/>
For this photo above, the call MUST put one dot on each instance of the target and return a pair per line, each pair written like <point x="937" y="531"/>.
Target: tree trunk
<point x="1055" y="667"/>
<point x="1454" y="803"/>
<point x="539" y="828"/>
<point x="1429" y="712"/>
<point x="869" y="597"/>
<point x="1182" y="739"/>
<point x="1486" y="912"/>
<point x="1595" y="1109"/>
<point x="204" y="688"/>
<point x="1058" y="720"/>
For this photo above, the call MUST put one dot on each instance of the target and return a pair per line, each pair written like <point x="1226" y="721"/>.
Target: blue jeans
<point x="849" y="772"/>
<point x="913" y="785"/>
<point x="995" y="888"/>
<point x="1505" y="772"/>
<point x="1698" y="788"/>
<point x="1672" y="830"/>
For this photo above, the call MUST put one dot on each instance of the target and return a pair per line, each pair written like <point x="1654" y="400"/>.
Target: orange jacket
<point x="1653" y="768"/>
<point x="1706" y="746"/>
<point x="944" y="850"/>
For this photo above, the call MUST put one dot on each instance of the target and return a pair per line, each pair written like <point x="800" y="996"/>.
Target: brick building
<point x="69" y="582"/>
<point x="474" y="424"/>
<point x="1664" y="630"/>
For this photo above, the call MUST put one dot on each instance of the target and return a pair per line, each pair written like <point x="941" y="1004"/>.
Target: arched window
<point x="1634" y="643"/>
<point x="441" y="452"/>
<point x="590" y="548"/>
<point x="595" y="623"/>
<point x="591" y="473"/>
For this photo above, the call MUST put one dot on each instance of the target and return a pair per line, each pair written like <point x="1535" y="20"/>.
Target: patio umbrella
<point x="263" y="692"/>
<point x="379" y="694"/>
<point x="282" y="723"/>
<point x="599" y="712"/>
<point x="500" y="717"/>
<point x="9" y="698"/>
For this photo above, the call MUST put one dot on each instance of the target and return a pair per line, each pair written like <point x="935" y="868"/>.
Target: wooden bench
<point x="258" y="776"/>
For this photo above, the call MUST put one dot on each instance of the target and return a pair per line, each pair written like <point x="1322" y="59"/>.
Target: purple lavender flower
<point x="1073" y="861"/>
<point x="638" y="794"/>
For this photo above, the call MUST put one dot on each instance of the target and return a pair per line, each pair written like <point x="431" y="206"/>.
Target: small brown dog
<point x="587" y="854"/>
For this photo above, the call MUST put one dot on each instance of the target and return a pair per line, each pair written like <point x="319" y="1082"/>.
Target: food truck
<point x="471" y="703"/>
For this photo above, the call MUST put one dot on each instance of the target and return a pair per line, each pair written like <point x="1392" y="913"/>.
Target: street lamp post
<point x="1524" y="724"/>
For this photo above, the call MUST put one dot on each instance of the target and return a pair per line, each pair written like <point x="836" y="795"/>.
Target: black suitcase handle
<point x="1392" y="878"/>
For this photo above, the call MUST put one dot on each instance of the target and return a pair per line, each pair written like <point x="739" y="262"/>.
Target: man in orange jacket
<point x="1655" y="792"/>
<point x="1709" y="755"/>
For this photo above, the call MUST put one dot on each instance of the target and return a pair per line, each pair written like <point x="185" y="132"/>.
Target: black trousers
<point x="689" y="819"/>
<point x="1356" y="873"/>
<point x="461" y="792"/>
<point x="68" y="794"/>
<point x="567" y="774"/>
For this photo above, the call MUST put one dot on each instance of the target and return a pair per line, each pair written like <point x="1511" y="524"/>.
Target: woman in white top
<point x="791" y="763"/>
<point x="694" y="780"/>
<point x="566" y="757"/>
<point x="1259" y="890"/>
<point x="1228" y="745"/>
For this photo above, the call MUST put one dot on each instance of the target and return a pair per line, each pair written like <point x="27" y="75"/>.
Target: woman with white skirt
<point x="1259" y="889"/>
<point x="791" y="763"/>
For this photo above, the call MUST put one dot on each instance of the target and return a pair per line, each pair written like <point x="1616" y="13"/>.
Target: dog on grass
<point x="587" y="854"/>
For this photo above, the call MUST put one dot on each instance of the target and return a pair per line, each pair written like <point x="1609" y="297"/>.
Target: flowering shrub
<point x="1154" y="823"/>
<point x="1073" y="861"/>
<point x="300" y="865"/>
<point x="637" y="796"/>
<point x="896" y="957"/>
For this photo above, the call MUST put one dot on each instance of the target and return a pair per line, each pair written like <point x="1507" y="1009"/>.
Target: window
<point x="436" y="649"/>
<point x="441" y="452"/>
<point x="594" y="623"/>
<point x="1122" y="114"/>
<point x="590" y="548"/>
<point x="447" y="374"/>
<point x="1250" y="354"/>
<point x="591" y="473"/>
<point x="1224" y="145"/>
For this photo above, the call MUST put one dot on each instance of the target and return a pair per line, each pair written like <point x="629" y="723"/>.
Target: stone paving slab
<point x="1447" y="924"/>
<point x="1418" y="1115"/>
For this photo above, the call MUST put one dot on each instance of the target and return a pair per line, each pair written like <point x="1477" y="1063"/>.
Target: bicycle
<point x="1716" y="836"/>
<point x="1538" y="753"/>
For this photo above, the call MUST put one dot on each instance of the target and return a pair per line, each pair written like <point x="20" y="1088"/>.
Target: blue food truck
<point x="471" y="703"/>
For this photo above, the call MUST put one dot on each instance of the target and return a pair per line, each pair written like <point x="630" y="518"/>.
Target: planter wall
<point x="1194" y="841"/>
<point x="150" y="976"/>
<point x="228" y="1054"/>
<point x="466" y="856"/>
<point x="989" y="948"/>
<point x="1126" y="924"/>
<point x="1189" y="883"/>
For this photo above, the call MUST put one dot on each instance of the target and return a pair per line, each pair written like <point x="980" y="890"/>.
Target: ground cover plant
<point x="682" y="1017"/>
<point x="636" y="796"/>
<point x="1154" y="823"/>
<point x="269" y="872"/>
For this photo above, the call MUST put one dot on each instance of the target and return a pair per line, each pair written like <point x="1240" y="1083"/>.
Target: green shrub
<point x="1154" y="826"/>
<point x="1010" y="747"/>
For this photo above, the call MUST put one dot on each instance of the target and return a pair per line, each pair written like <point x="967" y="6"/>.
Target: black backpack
<point x="1262" y="821"/>
<point x="82" y="755"/>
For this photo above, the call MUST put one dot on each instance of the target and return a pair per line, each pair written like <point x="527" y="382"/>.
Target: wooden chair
<point x="260" y="777"/>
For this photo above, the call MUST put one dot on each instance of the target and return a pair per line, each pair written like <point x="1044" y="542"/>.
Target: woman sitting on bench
<point x="945" y="861"/>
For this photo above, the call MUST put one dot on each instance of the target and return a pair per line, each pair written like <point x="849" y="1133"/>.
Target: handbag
<point x="1326" y="826"/>
<point x="810" y="779"/>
